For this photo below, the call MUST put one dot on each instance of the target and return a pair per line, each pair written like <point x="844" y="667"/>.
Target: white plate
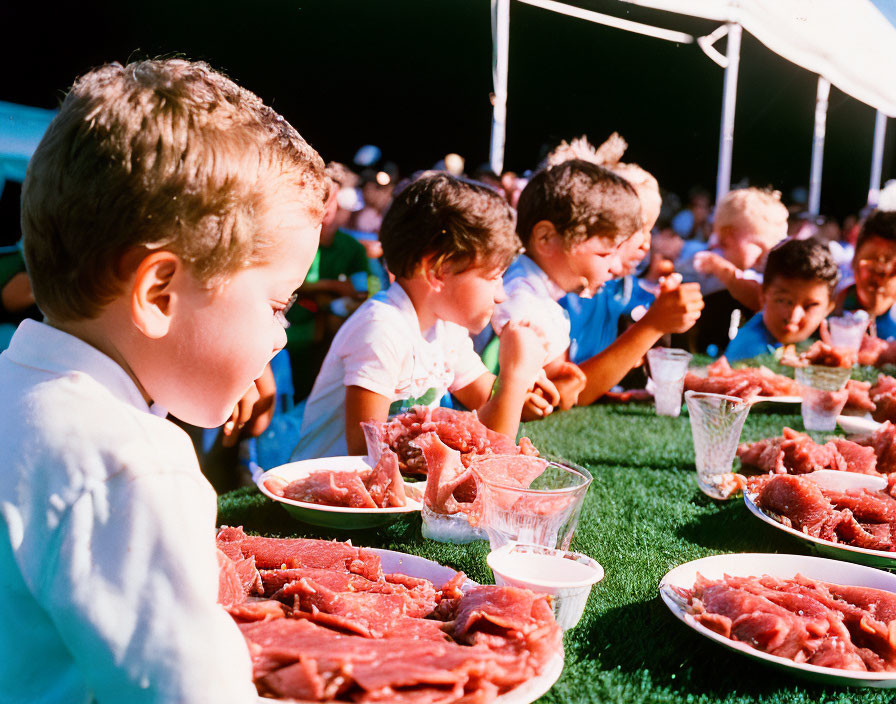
<point x="783" y="567"/>
<point x="839" y="551"/>
<point x="414" y="566"/>
<point x="856" y="425"/>
<point x="337" y="516"/>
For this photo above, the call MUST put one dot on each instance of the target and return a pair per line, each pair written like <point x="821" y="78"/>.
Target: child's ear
<point x="152" y="297"/>
<point x="762" y="298"/>
<point x="544" y="237"/>
<point x="432" y="272"/>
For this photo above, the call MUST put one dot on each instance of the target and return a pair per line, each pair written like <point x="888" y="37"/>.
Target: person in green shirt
<point x="16" y="297"/>
<point x="336" y="285"/>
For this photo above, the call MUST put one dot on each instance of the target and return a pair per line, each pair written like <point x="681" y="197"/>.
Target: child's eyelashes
<point x="281" y="311"/>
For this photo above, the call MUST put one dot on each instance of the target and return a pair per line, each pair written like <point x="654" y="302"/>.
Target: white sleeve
<point x="371" y="357"/>
<point x="543" y="313"/>
<point x="133" y="588"/>
<point x="466" y="364"/>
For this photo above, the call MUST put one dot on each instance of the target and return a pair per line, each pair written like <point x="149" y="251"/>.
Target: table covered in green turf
<point x="642" y="516"/>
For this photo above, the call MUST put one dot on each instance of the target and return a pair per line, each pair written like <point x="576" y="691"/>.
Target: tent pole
<point x="500" y="62"/>
<point x="726" y="139"/>
<point x="822" y="94"/>
<point x="877" y="158"/>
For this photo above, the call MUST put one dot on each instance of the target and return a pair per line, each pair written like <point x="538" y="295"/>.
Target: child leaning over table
<point x="748" y="223"/>
<point x="168" y="216"/>
<point x="797" y="294"/>
<point x="576" y="220"/>
<point x="447" y="241"/>
<point x="594" y="321"/>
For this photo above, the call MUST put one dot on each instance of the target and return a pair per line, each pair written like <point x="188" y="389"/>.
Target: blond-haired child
<point x="168" y="216"/>
<point x="447" y="241"/>
<point x="748" y="222"/>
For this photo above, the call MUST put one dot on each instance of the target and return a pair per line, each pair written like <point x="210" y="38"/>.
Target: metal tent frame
<point x="730" y="62"/>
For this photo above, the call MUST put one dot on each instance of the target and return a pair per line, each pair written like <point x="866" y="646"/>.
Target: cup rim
<point x="673" y="352"/>
<point x="581" y="471"/>
<point x="707" y="394"/>
<point x="599" y="572"/>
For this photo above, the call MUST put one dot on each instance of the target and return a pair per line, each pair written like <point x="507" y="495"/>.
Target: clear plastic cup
<point x="545" y="513"/>
<point x="848" y="330"/>
<point x="716" y="422"/>
<point x="668" y="367"/>
<point x="824" y="395"/>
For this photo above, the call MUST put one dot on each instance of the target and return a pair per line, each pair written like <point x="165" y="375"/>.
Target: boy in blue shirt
<point x="874" y="271"/>
<point x="797" y="294"/>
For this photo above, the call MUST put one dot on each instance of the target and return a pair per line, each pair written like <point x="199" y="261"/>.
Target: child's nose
<point x="616" y="265"/>
<point x="500" y="295"/>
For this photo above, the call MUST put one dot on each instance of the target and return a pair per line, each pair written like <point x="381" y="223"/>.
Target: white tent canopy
<point x="851" y="43"/>
<point x="848" y="43"/>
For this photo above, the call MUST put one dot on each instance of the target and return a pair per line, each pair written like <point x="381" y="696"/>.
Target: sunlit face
<point x="591" y="263"/>
<point x="633" y="250"/>
<point x="739" y="246"/>
<point x="792" y="309"/>
<point x="874" y="266"/>
<point x="468" y="298"/>
<point x="221" y="339"/>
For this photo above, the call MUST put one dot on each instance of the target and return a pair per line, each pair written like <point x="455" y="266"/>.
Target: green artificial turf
<point x="642" y="516"/>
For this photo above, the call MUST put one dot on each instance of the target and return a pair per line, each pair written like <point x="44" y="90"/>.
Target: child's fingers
<point x="547" y="388"/>
<point x="824" y="333"/>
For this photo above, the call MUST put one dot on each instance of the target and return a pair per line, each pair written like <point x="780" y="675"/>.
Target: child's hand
<point x="536" y="407"/>
<point x="253" y="412"/>
<point x="522" y="351"/>
<point x="541" y="399"/>
<point x="714" y="264"/>
<point x="570" y="382"/>
<point x="676" y="308"/>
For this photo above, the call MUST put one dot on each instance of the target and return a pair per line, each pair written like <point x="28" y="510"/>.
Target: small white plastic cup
<point x="848" y="330"/>
<point x="567" y="577"/>
<point x="668" y="367"/>
<point x="824" y="395"/>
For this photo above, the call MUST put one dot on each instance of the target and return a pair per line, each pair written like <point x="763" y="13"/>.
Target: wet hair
<point x="581" y="200"/>
<point x="161" y="154"/>
<point x="459" y="222"/>
<point x="808" y="260"/>
<point x="880" y="223"/>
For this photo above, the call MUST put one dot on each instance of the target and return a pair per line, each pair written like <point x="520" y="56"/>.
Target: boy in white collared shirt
<point x="575" y="218"/>
<point x="447" y="241"/>
<point x="168" y="216"/>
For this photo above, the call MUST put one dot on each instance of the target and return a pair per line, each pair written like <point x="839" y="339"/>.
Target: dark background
<point x="414" y="77"/>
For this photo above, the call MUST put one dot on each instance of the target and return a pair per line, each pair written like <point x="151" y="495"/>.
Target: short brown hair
<point x="880" y="223"/>
<point x="808" y="260"/>
<point x="162" y="154"/>
<point x="581" y="200"/>
<point x="460" y="222"/>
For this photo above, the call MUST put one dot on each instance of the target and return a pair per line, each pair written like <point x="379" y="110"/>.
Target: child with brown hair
<point x="576" y="220"/>
<point x="168" y="216"/>
<point x="447" y="241"/>
<point x="797" y="295"/>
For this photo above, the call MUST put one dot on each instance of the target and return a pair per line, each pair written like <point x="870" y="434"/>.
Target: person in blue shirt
<point x="874" y="270"/>
<point x="797" y="294"/>
<point x="594" y="322"/>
